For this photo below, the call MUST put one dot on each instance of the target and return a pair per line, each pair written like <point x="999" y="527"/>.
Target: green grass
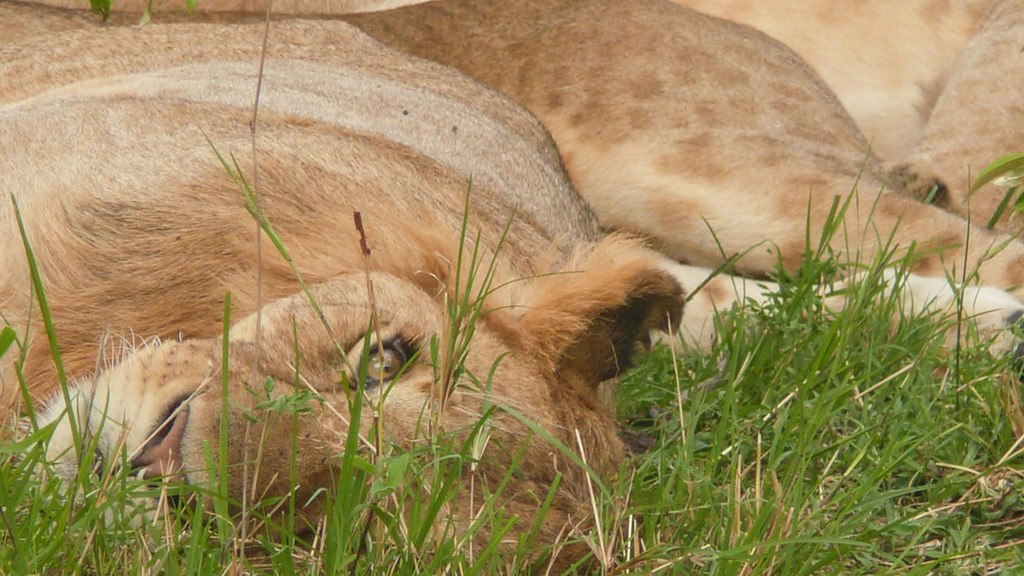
<point x="832" y="443"/>
<point x="805" y="442"/>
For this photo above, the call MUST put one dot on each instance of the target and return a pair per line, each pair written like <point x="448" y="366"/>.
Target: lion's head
<point x="162" y="410"/>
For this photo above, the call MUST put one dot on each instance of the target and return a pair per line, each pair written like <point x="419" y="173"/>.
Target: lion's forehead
<point x="323" y="330"/>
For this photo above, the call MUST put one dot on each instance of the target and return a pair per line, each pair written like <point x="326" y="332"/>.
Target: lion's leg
<point x="764" y="218"/>
<point x="990" y="309"/>
<point x="708" y="294"/>
<point x="979" y="115"/>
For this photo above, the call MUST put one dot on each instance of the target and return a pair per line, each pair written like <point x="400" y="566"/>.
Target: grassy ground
<point x="805" y="442"/>
<point x="834" y="444"/>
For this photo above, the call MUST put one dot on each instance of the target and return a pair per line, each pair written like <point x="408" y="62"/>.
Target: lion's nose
<point x="161" y="455"/>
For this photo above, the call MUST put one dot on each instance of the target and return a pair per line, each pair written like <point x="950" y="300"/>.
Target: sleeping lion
<point x="138" y="229"/>
<point x="131" y="152"/>
<point x="937" y="86"/>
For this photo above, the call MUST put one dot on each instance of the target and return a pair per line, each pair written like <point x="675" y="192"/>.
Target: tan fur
<point x="293" y="7"/>
<point x="886" y="61"/>
<point x="935" y="84"/>
<point x="979" y="116"/>
<point x="138" y="229"/>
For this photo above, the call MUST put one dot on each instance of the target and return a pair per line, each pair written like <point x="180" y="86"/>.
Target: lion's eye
<point x="385" y="362"/>
<point x="98" y="462"/>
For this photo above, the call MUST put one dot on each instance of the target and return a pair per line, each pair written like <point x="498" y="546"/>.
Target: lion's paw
<point x="994" y="313"/>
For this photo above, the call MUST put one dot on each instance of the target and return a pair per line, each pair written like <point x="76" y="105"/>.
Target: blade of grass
<point x="51" y="331"/>
<point x="1008" y="165"/>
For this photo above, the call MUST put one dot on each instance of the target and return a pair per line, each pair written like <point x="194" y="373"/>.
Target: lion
<point x="936" y="86"/>
<point x="979" y="116"/>
<point x="137" y="228"/>
<point x="645" y="172"/>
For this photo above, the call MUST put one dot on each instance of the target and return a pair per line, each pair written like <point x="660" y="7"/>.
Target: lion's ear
<point x="588" y="320"/>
